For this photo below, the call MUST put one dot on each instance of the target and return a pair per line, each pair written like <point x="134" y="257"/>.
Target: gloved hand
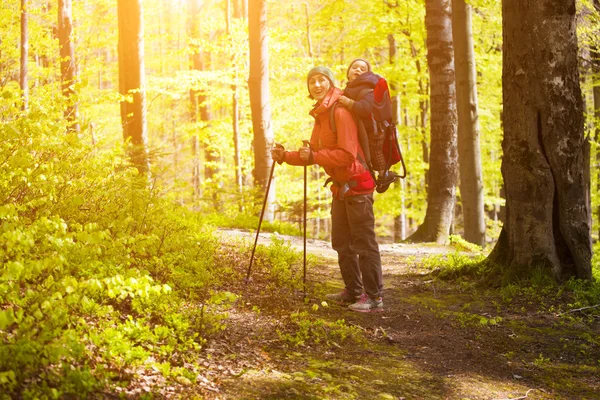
<point x="305" y="154"/>
<point x="346" y="102"/>
<point x="278" y="154"/>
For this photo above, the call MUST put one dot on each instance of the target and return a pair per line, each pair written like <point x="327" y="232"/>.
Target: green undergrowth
<point x="548" y="330"/>
<point x="309" y="329"/>
<point x="102" y="276"/>
<point x="537" y="288"/>
<point x="237" y="220"/>
<point x="282" y="265"/>
<point x="352" y="372"/>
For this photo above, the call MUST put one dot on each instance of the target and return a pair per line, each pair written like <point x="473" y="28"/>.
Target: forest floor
<point x="436" y="339"/>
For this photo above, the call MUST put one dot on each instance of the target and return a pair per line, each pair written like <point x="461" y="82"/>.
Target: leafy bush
<point x="282" y="263"/>
<point x="461" y="244"/>
<point x="99" y="272"/>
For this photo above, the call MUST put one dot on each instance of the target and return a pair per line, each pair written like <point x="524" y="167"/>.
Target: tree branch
<point x="578" y="309"/>
<point x="520" y="398"/>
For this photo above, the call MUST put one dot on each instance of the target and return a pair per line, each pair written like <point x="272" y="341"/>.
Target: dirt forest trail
<point x="434" y="340"/>
<point x="389" y="251"/>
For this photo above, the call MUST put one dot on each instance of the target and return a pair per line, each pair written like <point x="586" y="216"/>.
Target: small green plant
<point x="281" y="262"/>
<point x="308" y="329"/>
<point x="461" y="244"/>
<point x="468" y="319"/>
<point x="541" y="361"/>
<point x="457" y="264"/>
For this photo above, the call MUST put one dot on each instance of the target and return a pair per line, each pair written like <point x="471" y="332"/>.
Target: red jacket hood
<point x="338" y="153"/>
<point x="331" y="97"/>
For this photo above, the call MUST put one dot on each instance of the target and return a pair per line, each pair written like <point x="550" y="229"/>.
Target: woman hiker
<point x="352" y="218"/>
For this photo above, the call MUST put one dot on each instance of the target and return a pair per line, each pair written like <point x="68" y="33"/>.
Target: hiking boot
<point x="367" y="304"/>
<point x="384" y="181"/>
<point x="342" y="297"/>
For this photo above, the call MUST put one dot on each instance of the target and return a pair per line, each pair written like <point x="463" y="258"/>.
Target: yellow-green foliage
<point x="96" y="270"/>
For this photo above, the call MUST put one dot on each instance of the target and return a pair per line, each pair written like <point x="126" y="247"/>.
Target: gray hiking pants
<point x="353" y="237"/>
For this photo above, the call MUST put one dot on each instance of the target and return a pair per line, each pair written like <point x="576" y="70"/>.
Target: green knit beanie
<point x="323" y="71"/>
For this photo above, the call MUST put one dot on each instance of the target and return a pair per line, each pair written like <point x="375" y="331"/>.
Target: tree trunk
<point x="24" y="57"/>
<point x="235" y="110"/>
<point x="200" y="108"/>
<point x="547" y="215"/>
<point x="595" y="56"/>
<point x="443" y="155"/>
<point x="68" y="72"/>
<point x="240" y="9"/>
<point x="421" y="121"/>
<point x="131" y="82"/>
<point x="469" y="155"/>
<point x="423" y="104"/>
<point x="308" y="41"/>
<point x="211" y="152"/>
<point x="399" y="216"/>
<point x="196" y="64"/>
<point x="258" y="86"/>
<point x="407" y="187"/>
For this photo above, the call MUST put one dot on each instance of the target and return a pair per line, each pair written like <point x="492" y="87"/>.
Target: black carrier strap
<point x="385" y="126"/>
<point x="363" y="139"/>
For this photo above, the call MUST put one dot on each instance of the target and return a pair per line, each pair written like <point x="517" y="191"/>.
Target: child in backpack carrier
<point x="359" y="99"/>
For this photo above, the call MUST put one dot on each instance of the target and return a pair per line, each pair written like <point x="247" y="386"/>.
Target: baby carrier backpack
<point x="384" y="125"/>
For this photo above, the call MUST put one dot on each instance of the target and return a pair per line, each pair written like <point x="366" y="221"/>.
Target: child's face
<point x="357" y="69"/>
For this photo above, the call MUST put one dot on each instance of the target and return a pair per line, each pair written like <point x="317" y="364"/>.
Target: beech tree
<point x="547" y="212"/>
<point x="235" y="109"/>
<point x="68" y="71"/>
<point x="24" y="56"/>
<point x="240" y="8"/>
<point x="258" y="86"/>
<point x="200" y="108"/>
<point x="469" y="156"/>
<point x="131" y="81"/>
<point x="196" y="64"/>
<point x="595" y="56"/>
<point x="443" y="155"/>
<point x="400" y="217"/>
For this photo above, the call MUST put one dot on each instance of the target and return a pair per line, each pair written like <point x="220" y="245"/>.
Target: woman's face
<point x="357" y="69"/>
<point x="318" y="86"/>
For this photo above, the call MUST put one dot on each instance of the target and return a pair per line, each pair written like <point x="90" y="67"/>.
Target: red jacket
<point x="336" y="153"/>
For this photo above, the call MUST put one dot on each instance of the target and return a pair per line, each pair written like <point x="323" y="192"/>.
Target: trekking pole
<point x="262" y="213"/>
<point x="306" y="144"/>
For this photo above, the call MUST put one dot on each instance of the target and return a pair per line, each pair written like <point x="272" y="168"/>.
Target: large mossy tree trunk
<point x="258" y="86"/>
<point x="595" y="55"/>
<point x="547" y="213"/>
<point x="443" y="154"/>
<point x="469" y="153"/>
<point x="131" y="82"/>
